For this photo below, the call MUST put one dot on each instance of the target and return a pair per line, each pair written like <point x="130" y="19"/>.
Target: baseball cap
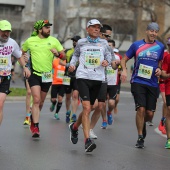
<point x="5" y="25"/>
<point x="168" y="41"/>
<point x="76" y="38"/>
<point x="93" y="22"/>
<point x="41" y="23"/>
<point x="153" y="26"/>
<point x="115" y="50"/>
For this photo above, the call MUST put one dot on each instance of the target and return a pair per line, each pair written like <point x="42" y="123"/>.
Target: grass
<point x="17" y="92"/>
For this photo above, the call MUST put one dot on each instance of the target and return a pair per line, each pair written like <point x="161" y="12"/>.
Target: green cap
<point x="5" y="25"/>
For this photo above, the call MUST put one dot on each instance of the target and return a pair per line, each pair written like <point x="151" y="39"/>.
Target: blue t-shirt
<point x="147" y="57"/>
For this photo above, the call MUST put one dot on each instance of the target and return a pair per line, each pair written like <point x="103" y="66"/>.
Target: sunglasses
<point x="106" y="35"/>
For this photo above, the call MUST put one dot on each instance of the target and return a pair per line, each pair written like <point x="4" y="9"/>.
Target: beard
<point x="45" y="35"/>
<point x="4" y="40"/>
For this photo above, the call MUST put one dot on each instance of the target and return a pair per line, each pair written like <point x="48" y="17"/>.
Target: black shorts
<point x="144" y="96"/>
<point x="73" y="86"/>
<point x="57" y="89"/>
<point x="88" y="89"/>
<point x="102" y="93"/>
<point x="35" y="80"/>
<point x="167" y="100"/>
<point x="5" y="84"/>
<point x="119" y="87"/>
<point x="112" y="91"/>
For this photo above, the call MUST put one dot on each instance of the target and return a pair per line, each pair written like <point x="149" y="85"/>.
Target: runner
<point x="147" y="54"/>
<point x="57" y="89"/>
<point x="8" y="48"/>
<point x="166" y="74"/>
<point x="43" y="48"/>
<point x="93" y="55"/>
<point x="71" y="90"/>
<point x="100" y="105"/>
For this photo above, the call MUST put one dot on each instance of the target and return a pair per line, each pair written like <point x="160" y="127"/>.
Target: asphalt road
<point x="54" y="151"/>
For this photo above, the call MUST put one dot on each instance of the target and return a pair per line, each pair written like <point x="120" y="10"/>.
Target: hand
<point x="158" y="72"/>
<point x="105" y="63"/>
<point x="55" y="52"/>
<point x="26" y="57"/>
<point x="124" y="76"/>
<point x="71" y="68"/>
<point x="26" y="72"/>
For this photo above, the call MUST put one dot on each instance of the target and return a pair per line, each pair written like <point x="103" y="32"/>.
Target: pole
<point x="51" y="15"/>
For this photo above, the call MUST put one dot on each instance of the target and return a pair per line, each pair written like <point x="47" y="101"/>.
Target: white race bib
<point x="66" y="80"/>
<point x="145" y="71"/>
<point x="47" y="77"/>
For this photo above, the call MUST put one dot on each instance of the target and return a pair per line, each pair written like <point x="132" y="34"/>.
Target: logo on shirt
<point x="141" y="54"/>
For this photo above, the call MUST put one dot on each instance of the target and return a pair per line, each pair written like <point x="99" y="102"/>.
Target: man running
<point x="8" y="48"/>
<point x="147" y="54"/>
<point x="43" y="48"/>
<point x="93" y="55"/>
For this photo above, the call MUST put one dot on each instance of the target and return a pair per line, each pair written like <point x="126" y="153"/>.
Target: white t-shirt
<point x="8" y="49"/>
<point x="112" y="75"/>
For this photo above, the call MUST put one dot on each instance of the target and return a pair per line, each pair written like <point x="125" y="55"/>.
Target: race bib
<point x="3" y="62"/>
<point x="145" y="71"/>
<point x="66" y="80"/>
<point x="110" y="71"/>
<point x="92" y="59"/>
<point x="60" y="74"/>
<point x="47" y="77"/>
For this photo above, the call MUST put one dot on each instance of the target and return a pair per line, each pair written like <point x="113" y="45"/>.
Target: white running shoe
<point x="92" y="134"/>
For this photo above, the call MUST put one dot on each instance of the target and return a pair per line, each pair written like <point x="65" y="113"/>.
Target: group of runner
<point x="90" y="71"/>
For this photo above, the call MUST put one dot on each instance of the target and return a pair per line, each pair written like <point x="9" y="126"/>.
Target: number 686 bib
<point x="47" y="77"/>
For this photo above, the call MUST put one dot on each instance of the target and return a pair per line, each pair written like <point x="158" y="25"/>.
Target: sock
<point x="109" y="113"/>
<point x="140" y="136"/>
<point x="85" y="140"/>
<point x="58" y="107"/>
<point x="75" y="126"/>
<point x="28" y="114"/>
<point x="104" y="120"/>
<point x="36" y="124"/>
<point x="54" y="102"/>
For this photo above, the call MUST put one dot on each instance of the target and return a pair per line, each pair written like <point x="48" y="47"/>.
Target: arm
<point x="124" y="70"/>
<point x="60" y="54"/>
<point x="158" y="70"/>
<point x="165" y="75"/>
<point x="26" y="71"/>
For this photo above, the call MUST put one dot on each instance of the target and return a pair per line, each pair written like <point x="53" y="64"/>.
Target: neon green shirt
<point x="41" y="56"/>
<point x="69" y="54"/>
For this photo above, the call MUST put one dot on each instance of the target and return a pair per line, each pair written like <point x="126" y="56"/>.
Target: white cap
<point x="115" y="50"/>
<point x="94" y="22"/>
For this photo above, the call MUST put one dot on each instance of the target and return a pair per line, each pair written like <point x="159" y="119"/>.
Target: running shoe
<point x="104" y="125"/>
<point x="27" y="121"/>
<point x="36" y="132"/>
<point x="109" y="119"/>
<point x="52" y="107"/>
<point x="89" y="145"/>
<point x="73" y="134"/>
<point x="32" y="124"/>
<point x="140" y="143"/>
<point x="161" y="126"/>
<point x="92" y="134"/>
<point x="68" y="116"/>
<point x="57" y="116"/>
<point x="144" y="130"/>
<point x="164" y="130"/>
<point x="73" y="118"/>
<point x="167" y="145"/>
<point x="150" y="123"/>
